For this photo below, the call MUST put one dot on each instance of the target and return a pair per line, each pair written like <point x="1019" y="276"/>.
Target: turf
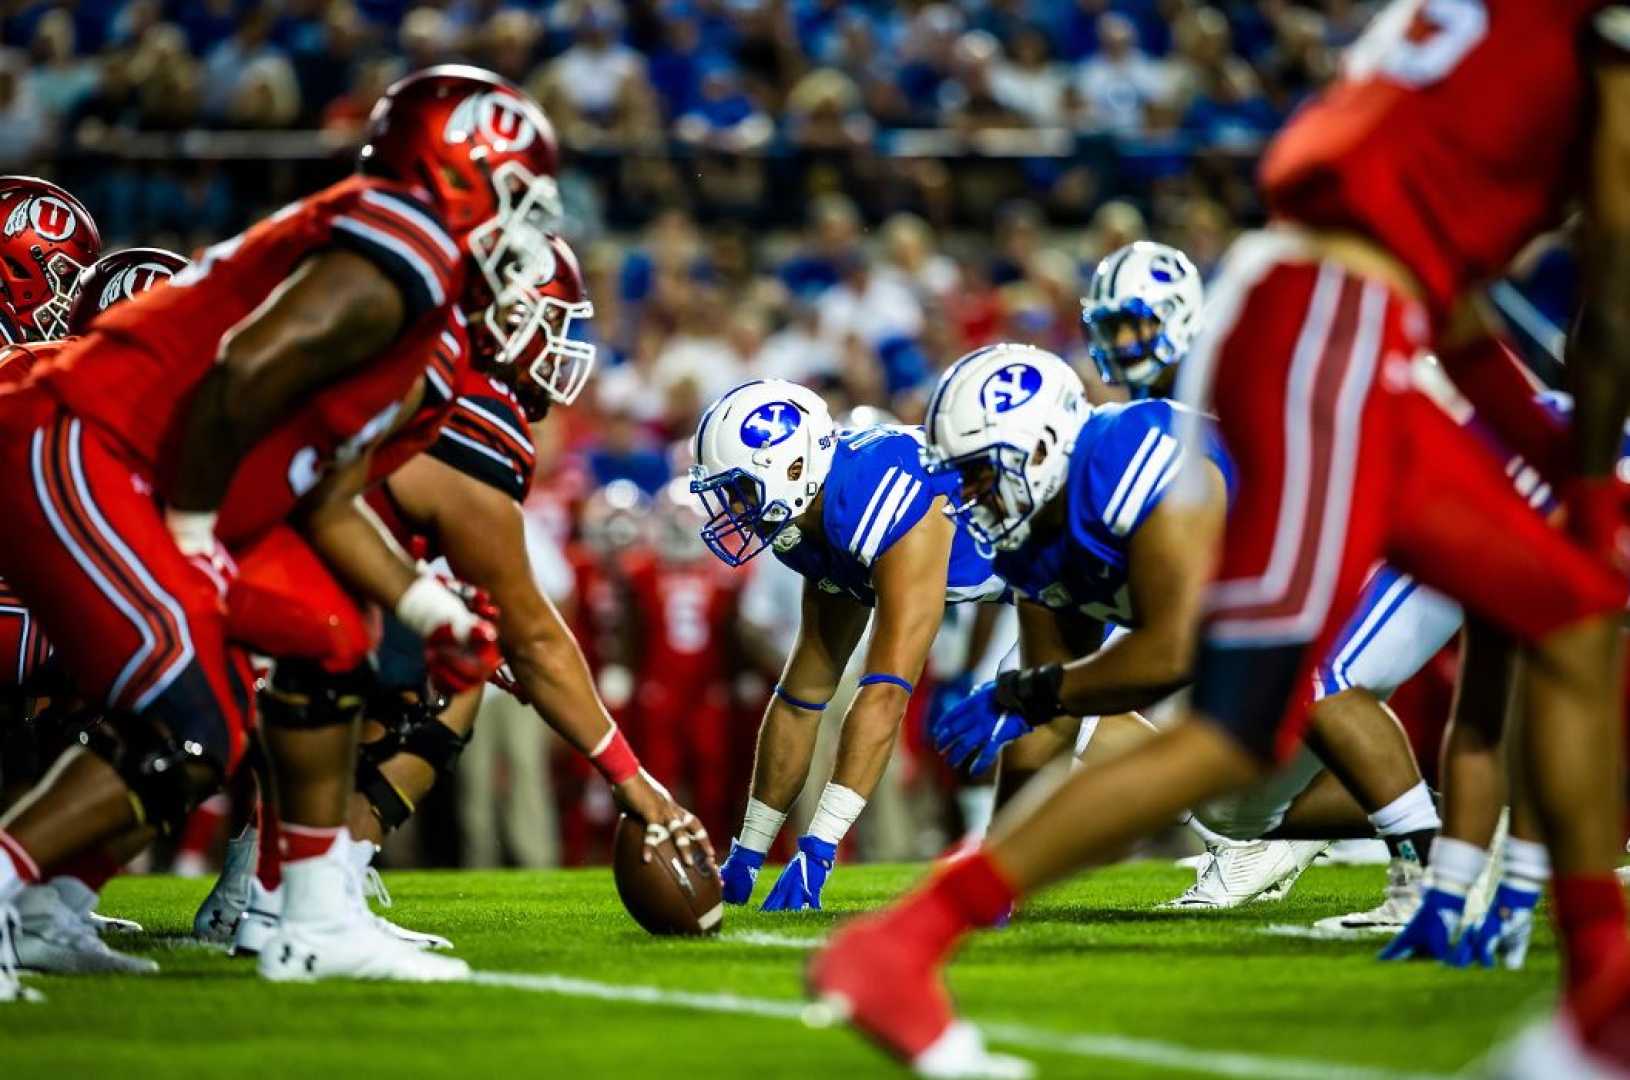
<point x="1088" y="958"/>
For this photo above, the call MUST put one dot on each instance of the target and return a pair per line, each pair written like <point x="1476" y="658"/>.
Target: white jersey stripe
<point x="480" y="448"/>
<point x="1144" y="487"/>
<point x="873" y="544"/>
<point x="1131" y="474"/>
<point x="393" y="204"/>
<point x="883" y="518"/>
<point x="871" y="507"/>
<point x="395" y="245"/>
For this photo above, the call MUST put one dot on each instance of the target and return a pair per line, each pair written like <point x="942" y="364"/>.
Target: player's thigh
<point x="1395" y="630"/>
<point x="1461" y="527"/>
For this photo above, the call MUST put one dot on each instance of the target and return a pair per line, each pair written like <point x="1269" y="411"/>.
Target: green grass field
<point x="1088" y="982"/>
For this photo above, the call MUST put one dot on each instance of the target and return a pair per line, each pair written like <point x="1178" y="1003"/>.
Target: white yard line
<point x="1100" y="1047"/>
<point x="771" y="940"/>
<point x="1327" y="933"/>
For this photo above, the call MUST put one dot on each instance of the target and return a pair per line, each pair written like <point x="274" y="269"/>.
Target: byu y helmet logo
<point x="1009" y="387"/>
<point x="770" y="424"/>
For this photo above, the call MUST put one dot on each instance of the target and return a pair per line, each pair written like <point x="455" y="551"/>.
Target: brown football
<point x="666" y="895"/>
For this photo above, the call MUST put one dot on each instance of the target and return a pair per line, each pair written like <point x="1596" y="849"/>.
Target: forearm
<point x="786" y="746"/>
<point x="556" y="678"/>
<point x="867" y="739"/>
<point x="350" y="541"/>
<point x="1132" y="673"/>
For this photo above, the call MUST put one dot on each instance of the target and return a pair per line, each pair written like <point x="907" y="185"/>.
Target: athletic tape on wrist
<point x="798" y="703"/>
<point x="876" y="677"/>
<point x="614" y="758"/>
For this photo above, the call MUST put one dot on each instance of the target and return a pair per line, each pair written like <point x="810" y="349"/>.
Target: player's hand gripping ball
<point x="670" y="894"/>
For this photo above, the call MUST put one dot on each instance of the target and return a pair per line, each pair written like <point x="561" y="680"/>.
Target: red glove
<point x="461" y="643"/>
<point x="194" y="535"/>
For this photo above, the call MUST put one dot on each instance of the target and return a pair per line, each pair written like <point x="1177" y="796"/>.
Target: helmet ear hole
<point x="1039" y="454"/>
<point x="795" y="471"/>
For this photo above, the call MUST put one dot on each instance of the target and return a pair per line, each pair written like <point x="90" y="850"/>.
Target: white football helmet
<point x="1005" y="418"/>
<point x="1139" y="283"/>
<point x="762" y="453"/>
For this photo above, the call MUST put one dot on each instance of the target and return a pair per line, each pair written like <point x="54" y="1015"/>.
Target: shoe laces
<point x="373" y="887"/>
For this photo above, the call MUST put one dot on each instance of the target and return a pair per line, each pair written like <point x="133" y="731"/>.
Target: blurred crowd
<point x="846" y="193"/>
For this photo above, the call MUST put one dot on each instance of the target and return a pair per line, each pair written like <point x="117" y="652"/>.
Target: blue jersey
<point x="1124" y="462"/>
<point x="876" y="491"/>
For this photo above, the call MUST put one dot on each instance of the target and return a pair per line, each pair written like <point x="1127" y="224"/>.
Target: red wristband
<point x="615" y="758"/>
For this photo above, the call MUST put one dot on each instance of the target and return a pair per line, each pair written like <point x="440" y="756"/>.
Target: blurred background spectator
<point x="848" y="193"/>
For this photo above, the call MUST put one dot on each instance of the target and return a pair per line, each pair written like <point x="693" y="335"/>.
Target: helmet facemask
<point x="995" y="498"/>
<point x="533" y="333"/>
<point x="1137" y="365"/>
<point x="740" y="523"/>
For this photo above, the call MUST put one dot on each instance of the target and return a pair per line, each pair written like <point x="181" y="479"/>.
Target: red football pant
<point x="23" y="647"/>
<point x="285" y="603"/>
<point x="1341" y="462"/>
<point x="86" y="548"/>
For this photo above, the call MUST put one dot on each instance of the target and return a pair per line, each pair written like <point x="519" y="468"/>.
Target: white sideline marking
<point x="1326" y="933"/>
<point x="1103" y="1047"/>
<point x="771" y="940"/>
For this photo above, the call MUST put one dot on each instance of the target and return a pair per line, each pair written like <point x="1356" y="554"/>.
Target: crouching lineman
<point x="122" y="449"/>
<point x="857" y="516"/>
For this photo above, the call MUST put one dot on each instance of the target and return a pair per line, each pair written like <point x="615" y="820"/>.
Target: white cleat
<point x="79" y="896"/>
<point x="960" y="1054"/>
<point x="1402" y="898"/>
<point x="218" y="914"/>
<point x="327" y="931"/>
<point x="373" y="888"/>
<point x="1253" y="870"/>
<point x="1545" y="1050"/>
<point x="259" y="920"/>
<point x="112" y="924"/>
<point x="11" y="987"/>
<point x="54" y="935"/>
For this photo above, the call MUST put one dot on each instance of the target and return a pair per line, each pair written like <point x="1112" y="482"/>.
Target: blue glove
<point x="740" y="872"/>
<point x="1430" y="935"/>
<point x="1502" y="935"/>
<point x="947" y="695"/>
<point x="972" y="733"/>
<point x="801" y="880"/>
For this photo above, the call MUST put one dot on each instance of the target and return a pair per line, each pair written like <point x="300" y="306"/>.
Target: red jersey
<point x="140" y="394"/>
<point x="686" y="611"/>
<point x="480" y="430"/>
<point x="336" y="426"/>
<point x="18" y="361"/>
<point x="1453" y="136"/>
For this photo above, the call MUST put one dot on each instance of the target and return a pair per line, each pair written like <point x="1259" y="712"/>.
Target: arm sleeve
<point x="402" y="237"/>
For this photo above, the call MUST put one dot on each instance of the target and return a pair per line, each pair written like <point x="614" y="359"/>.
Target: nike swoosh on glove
<point x="1430" y="935"/>
<point x="1503" y="933"/>
<point x="802" y="879"/>
<point x="972" y="733"/>
<point x="739" y="873"/>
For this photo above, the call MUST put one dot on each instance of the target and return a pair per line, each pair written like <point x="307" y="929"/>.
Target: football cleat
<point x="112" y="924"/>
<point x="259" y="919"/>
<point x="54" y="935"/>
<point x="11" y="987"/>
<point x="218" y="914"/>
<point x="373" y="888"/>
<point x="872" y="979"/>
<point x="79" y="897"/>
<point x="1403" y="896"/>
<point x="1430" y="933"/>
<point x="328" y="932"/>
<point x="1255" y="870"/>
<point x="1502" y="935"/>
<point x="739" y="873"/>
<point x="801" y="881"/>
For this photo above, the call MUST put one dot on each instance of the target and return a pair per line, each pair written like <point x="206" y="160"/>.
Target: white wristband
<point x="192" y="530"/>
<point x="428" y="603"/>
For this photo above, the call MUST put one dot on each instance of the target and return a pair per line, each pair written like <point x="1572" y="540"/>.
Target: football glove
<point x="1502" y="935"/>
<point x="972" y="733"/>
<point x="740" y="873"/>
<point x="802" y="879"/>
<point x="1430" y="935"/>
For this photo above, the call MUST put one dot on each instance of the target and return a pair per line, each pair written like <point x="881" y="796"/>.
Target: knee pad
<point x="413" y="728"/>
<point x="168" y="774"/>
<point x="301" y="696"/>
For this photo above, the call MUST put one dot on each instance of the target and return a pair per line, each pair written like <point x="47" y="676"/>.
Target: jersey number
<point x="307" y="467"/>
<point x="1418" y="42"/>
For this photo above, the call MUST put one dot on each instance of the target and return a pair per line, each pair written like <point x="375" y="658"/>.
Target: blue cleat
<point x="1430" y="934"/>
<point x="739" y="873"/>
<point x="799" y="886"/>
<point x="971" y="733"/>
<point x="1502" y="935"/>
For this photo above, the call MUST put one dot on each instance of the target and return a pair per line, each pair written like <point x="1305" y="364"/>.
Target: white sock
<point x="761" y="826"/>
<point x="978" y="805"/>
<point x="1527" y="865"/>
<point x="838" y="809"/>
<point x="12" y="881"/>
<point x="1455" y="865"/>
<point x="1411" y="812"/>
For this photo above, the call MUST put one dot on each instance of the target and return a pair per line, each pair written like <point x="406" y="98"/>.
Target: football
<point x="667" y="896"/>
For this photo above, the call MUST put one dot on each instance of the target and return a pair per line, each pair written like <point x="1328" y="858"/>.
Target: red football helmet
<point x="525" y="335"/>
<point x="680" y="522"/>
<point x="485" y="155"/>
<point x="615" y="519"/>
<point x="117" y="276"/>
<point x="47" y="239"/>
